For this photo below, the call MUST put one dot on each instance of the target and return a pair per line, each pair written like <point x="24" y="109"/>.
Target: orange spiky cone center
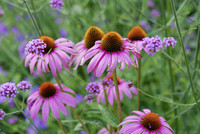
<point x="92" y="34"/>
<point x="47" y="89"/>
<point x="136" y="33"/>
<point x="151" y="121"/>
<point x="50" y="43"/>
<point x="112" y="42"/>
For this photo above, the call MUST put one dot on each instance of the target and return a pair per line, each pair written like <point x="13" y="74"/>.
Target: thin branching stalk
<point x="183" y="48"/>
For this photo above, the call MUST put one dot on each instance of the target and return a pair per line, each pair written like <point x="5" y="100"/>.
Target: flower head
<point x="145" y="122"/>
<point x="92" y="34"/>
<point x="9" y="90"/>
<point x="57" y="4"/>
<point x="24" y="85"/>
<point x="136" y="33"/>
<point x="107" y="83"/>
<point x="153" y="44"/>
<point x="89" y="98"/>
<point x="50" y="94"/>
<point x="2" y="114"/>
<point x="111" y="92"/>
<point x="155" y="13"/>
<point x="93" y="87"/>
<point x="52" y="54"/>
<point x="150" y="4"/>
<point x="169" y="41"/>
<point x="108" y="52"/>
<point x="1" y="13"/>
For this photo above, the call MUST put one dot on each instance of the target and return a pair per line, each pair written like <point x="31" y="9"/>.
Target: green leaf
<point x="108" y="116"/>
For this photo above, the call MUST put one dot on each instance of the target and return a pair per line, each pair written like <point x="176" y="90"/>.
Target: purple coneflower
<point x="92" y="34"/>
<point x="145" y="123"/>
<point x="45" y="53"/>
<point x="50" y="94"/>
<point x="135" y="36"/>
<point x="2" y="114"/>
<point x="169" y="41"/>
<point x="111" y="49"/>
<point x="56" y="4"/>
<point x="9" y="90"/>
<point x="111" y="92"/>
<point x="24" y="85"/>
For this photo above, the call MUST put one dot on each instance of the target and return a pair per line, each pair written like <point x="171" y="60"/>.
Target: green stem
<point x="105" y="96"/>
<point x="72" y="109"/>
<point x="36" y="26"/>
<point x="117" y="93"/>
<point x="183" y="48"/>
<point x="61" y="126"/>
<point x="138" y="83"/>
<point x="78" y="117"/>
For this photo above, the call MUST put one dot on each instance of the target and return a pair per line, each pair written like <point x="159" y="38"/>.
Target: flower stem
<point x="61" y="126"/>
<point x="183" y="48"/>
<point x="106" y="96"/>
<point x="138" y="83"/>
<point x="117" y="93"/>
<point x="78" y="117"/>
<point x="72" y="109"/>
<point x="35" y="24"/>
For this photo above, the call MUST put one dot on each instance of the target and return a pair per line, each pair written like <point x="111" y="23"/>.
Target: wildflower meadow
<point x="99" y="67"/>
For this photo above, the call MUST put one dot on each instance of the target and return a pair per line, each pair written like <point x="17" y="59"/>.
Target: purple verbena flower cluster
<point x="169" y="41"/>
<point x="24" y="85"/>
<point x="107" y="83"/>
<point x="93" y="87"/>
<point x="36" y="46"/>
<point x="89" y="98"/>
<point x="8" y="90"/>
<point x="153" y="43"/>
<point x="57" y="4"/>
<point x="2" y="114"/>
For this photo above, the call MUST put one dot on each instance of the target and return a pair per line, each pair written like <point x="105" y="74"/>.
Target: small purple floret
<point x="24" y="85"/>
<point x="8" y="90"/>
<point x="107" y="83"/>
<point x="89" y="98"/>
<point x="130" y="84"/>
<point x="36" y="46"/>
<point x="169" y="41"/>
<point x="2" y="114"/>
<point x="93" y="87"/>
<point x="153" y="43"/>
<point x="57" y="4"/>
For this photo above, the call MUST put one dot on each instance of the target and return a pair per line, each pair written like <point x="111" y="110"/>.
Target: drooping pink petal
<point x="33" y="96"/>
<point x="66" y="99"/>
<point x="45" y="109"/>
<point x="36" y="107"/>
<point x="133" y="117"/>
<point x="90" y="54"/>
<point x="63" y="55"/>
<point x="138" y="130"/>
<point x="114" y="62"/>
<point x="39" y="67"/>
<point x="46" y="63"/>
<point x="52" y="65"/>
<point x="58" y="63"/>
<point x="94" y="61"/>
<point x="110" y="96"/>
<point x="102" y="64"/>
<point x="54" y="107"/>
<point x="28" y="58"/>
<point x="32" y="63"/>
<point x="68" y="50"/>
<point x="165" y="130"/>
<point x="129" y="126"/>
<point x="79" y="58"/>
<point x="61" y="106"/>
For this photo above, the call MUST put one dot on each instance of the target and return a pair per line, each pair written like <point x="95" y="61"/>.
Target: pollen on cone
<point x="92" y="34"/>
<point x="136" y="33"/>
<point x="49" y="41"/>
<point x="112" y="42"/>
<point x="151" y="121"/>
<point x="47" y="89"/>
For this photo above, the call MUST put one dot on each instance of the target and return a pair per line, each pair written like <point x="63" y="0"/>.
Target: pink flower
<point x="105" y="131"/>
<point x="145" y="123"/>
<point x="48" y="55"/>
<point x="112" y="49"/>
<point x="123" y="87"/>
<point x="92" y="34"/>
<point x="50" y="95"/>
